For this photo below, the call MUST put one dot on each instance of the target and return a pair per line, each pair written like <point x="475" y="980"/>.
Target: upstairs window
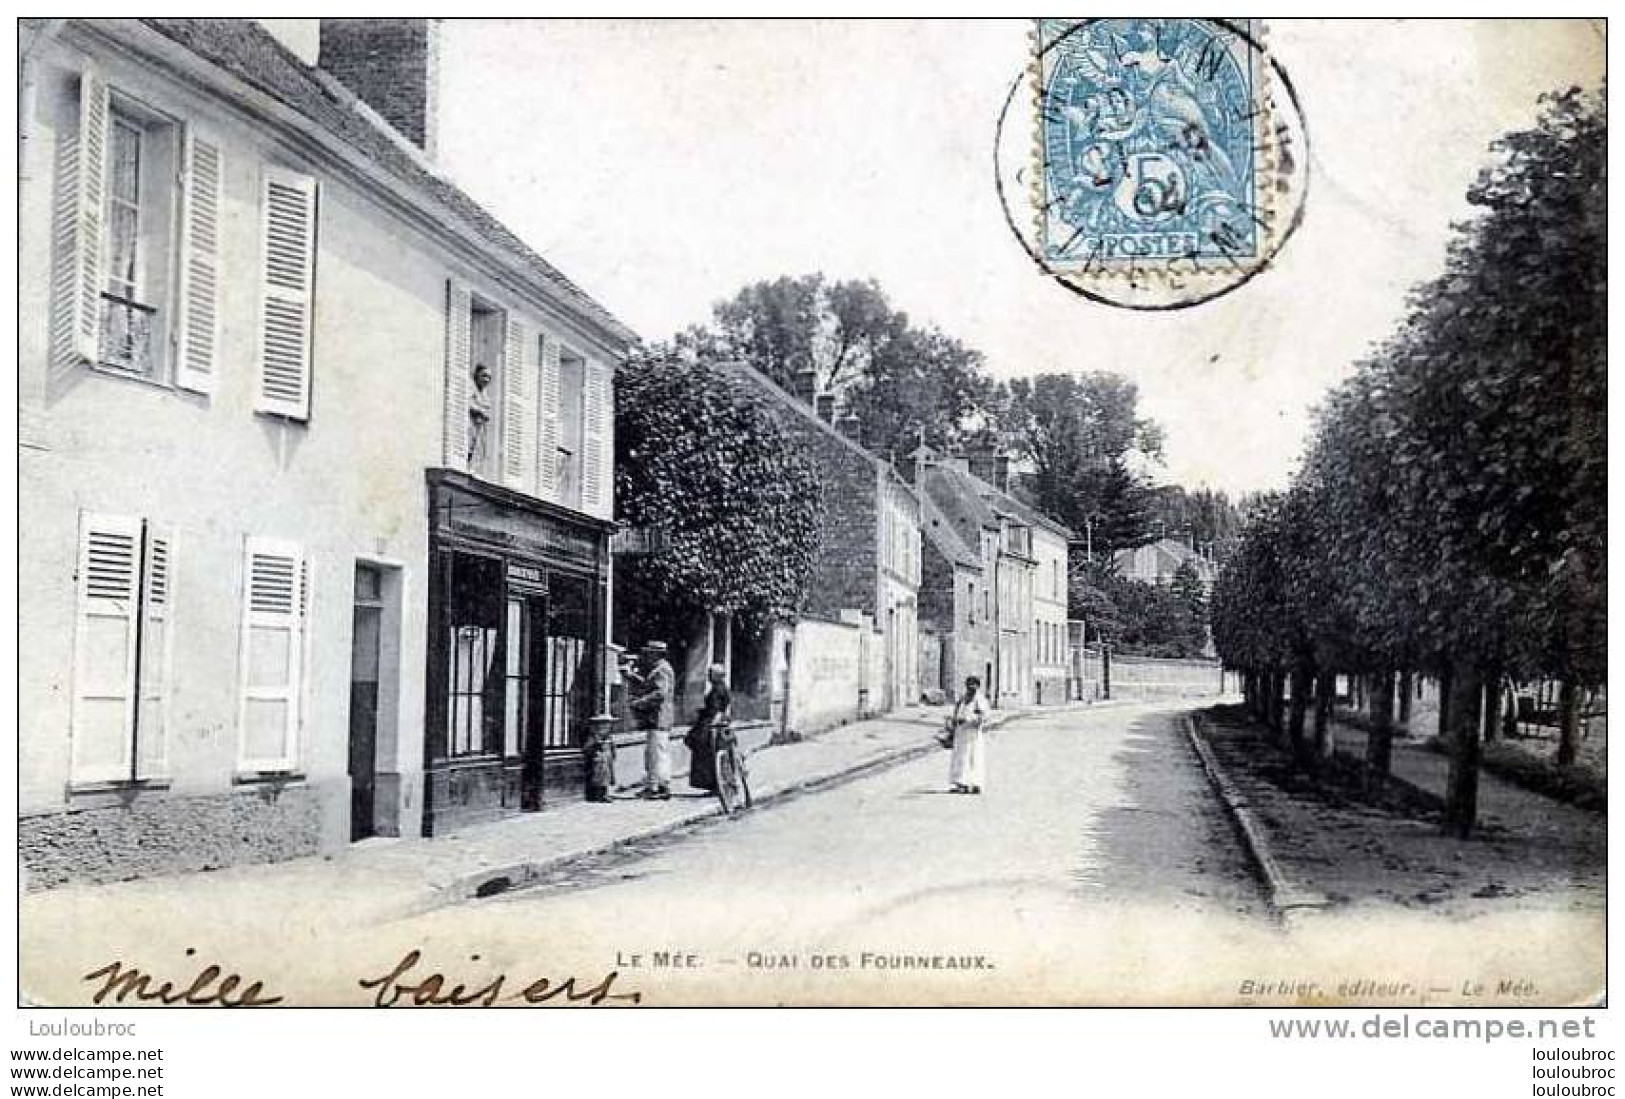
<point x="488" y="350"/>
<point x="137" y="228"/>
<point x="567" y="461"/>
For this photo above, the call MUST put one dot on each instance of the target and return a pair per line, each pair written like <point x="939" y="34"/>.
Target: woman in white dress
<point x="968" y="770"/>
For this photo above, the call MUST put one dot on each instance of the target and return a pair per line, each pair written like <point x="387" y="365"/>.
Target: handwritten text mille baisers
<point x="409" y="982"/>
<point x="798" y="960"/>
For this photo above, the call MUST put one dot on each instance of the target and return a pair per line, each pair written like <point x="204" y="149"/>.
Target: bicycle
<point x="733" y="780"/>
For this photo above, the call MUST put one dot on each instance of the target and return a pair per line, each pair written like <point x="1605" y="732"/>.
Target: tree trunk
<point x="1490" y="708"/>
<point x="1273" y="703"/>
<point x="1443" y="683"/>
<point x="1406" y="693"/>
<point x="1325" y="699"/>
<point x="1568" y="724"/>
<point x="1465" y="693"/>
<point x="1299" y="707"/>
<point x="1379" y="745"/>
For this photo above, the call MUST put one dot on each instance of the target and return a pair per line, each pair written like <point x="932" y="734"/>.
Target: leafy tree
<point x="1450" y="514"/>
<point x="1186" y="586"/>
<point x="700" y="460"/>
<point x="922" y="387"/>
<point x="789" y="325"/>
<point x="1080" y="433"/>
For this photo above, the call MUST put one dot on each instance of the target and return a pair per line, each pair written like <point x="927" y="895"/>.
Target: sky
<point x="662" y="166"/>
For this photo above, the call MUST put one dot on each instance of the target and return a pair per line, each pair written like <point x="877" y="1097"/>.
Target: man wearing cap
<point x="654" y="709"/>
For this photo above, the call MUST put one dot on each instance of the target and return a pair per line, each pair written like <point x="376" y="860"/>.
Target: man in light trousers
<point x="656" y="711"/>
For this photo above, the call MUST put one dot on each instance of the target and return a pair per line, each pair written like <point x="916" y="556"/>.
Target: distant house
<point x="955" y="601"/>
<point x="1156" y="563"/>
<point x="1022" y="578"/>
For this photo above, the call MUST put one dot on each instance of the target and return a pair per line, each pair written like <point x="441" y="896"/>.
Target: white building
<point x="1156" y="562"/>
<point x="291" y="575"/>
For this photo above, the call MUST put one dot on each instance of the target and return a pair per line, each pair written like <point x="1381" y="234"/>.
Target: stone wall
<point x="166" y="835"/>
<point x="1147" y="678"/>
<point x="830" y="674"/>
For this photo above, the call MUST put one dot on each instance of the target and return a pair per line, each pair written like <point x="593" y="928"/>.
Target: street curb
<point x="494" y="880"/>
<point x="1287" y="900"/>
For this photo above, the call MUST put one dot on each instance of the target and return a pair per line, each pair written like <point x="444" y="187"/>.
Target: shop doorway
<point x="549" y="683"/>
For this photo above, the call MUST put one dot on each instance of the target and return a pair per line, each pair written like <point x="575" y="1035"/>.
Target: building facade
<point x="1156" y="562"/>
<point x="953" y="591"/>
<point x="1020" y="558"/>
<point x="868" y="560"/>
<point x="315" y="458"/>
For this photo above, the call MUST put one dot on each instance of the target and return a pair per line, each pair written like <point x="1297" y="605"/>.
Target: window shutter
<point x="547" y="475"/>
<point x="459" y="334"/>
<point x="82" y="185"/>
<point x="157" y="633"/>
<point x="104" y="648"/>
<point x="288" y="241"/>
<point x="200" y="266"/>
<point x="275" y="577"/>
<point x="518" y="419"/>
<point x="597" y="441"/>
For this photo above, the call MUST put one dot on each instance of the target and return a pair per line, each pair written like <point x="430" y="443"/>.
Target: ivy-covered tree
<point x="735" y="505"/>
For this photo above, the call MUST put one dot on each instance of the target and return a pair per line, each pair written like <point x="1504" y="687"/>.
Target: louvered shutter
<point x="459" y="334"/>
<point x="275" y="577"/>
<point x="199" y="331"/>
<point x="157" y="640"/>
<point x="518" y="417"/>
<point x="597" y="440"/>
<point x="104" y="648"/>
<point x="78" y="243"/>
<point x="549" y="399"/>
<point x="287" y="284"/>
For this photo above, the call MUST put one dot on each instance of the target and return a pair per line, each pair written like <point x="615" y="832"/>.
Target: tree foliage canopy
<point x="699" y="459"/>
<point x="1452" y="507"/>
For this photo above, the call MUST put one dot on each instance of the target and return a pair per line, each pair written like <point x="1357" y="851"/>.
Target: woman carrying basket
<point x="968" y="770"/>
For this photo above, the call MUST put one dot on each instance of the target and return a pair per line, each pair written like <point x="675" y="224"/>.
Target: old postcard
<point x="1070" y="511"/>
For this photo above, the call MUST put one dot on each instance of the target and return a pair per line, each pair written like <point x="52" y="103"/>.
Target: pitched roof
<point x="245" y="50"/>
<point x="990" y="500"/>
<point x="951" y="490"/>
<point x="797" y="407"/>
<point x="939" y="531"/>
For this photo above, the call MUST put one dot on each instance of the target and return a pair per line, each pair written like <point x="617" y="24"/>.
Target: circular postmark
<point x="1154" y="163"/>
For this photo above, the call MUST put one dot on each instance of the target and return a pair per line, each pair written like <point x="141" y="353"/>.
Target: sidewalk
<point x="1501" y="804"/>
<point x="385" y="879"/>
<point x="1329" y="843"/>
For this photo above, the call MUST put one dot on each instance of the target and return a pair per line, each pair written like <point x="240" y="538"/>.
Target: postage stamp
<point x="1168" y="160"/>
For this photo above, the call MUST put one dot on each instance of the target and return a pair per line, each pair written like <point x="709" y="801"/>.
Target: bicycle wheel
<point x="744" y="780"/>
<point x="726" y="778"/>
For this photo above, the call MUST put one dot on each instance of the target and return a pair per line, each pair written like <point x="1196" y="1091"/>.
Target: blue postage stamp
<point x="1149" y="139"/>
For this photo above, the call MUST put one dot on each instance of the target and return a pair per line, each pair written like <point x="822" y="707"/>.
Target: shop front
<point x="517" y="593"/>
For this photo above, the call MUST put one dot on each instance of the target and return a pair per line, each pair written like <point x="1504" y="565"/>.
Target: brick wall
<point x="846" y="568"/>
<point x="390" y="64"/>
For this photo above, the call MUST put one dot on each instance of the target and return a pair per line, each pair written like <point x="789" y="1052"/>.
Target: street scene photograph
<point x="649" y="513"/>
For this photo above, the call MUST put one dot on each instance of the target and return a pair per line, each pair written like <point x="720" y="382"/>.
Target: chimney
<point x="992" y="468"/>
<point x="393" y="66"/>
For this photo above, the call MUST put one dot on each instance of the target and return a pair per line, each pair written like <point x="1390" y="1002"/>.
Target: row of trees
<point x="1449" y="517"/>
